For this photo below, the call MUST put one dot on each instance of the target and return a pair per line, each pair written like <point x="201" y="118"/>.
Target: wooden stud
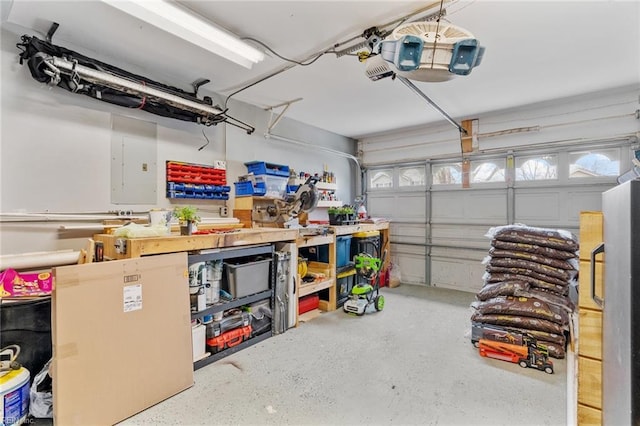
<point x="466" y="139"/>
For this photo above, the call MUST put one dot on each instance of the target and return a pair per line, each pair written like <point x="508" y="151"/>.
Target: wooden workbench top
<point x="137" y="247"/>
<point x="361" y="227"/>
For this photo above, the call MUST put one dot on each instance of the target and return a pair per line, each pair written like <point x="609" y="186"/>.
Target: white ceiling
<point x="535" y="51"/>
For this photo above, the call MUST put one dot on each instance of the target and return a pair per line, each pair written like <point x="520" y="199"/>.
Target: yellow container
<point x="366" y="234"/>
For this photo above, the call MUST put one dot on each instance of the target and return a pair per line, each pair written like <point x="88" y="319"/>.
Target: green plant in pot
<point x="339" y="215"/>
<point x="187" y="216"/>
<point x="348" y="213"/>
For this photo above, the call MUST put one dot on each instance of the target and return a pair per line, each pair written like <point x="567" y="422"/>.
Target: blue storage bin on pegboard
<point x="263" y="168"/>
<point x="246" y="188"/>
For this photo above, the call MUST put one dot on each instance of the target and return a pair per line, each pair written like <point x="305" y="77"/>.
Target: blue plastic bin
<point x="262" y="168"/>
<point x="343" y="251"/>
<point x="243" y="188"/>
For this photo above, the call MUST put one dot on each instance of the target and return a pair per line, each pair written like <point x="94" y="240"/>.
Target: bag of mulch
<point x="523" y="306"/>
<point x="519" y="233"/>
<point x="563" y="302"/>
<point x="533" y="278"/>
<point x="571" y="264"/>
<point x="502" y="288"/>
<point x="538" y="268"/>
<point x="532" y="248"/>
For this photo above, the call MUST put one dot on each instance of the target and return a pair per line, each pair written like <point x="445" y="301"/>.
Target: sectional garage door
<point x="438" y="226"/>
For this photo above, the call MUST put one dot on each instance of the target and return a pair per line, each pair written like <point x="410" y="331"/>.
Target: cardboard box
<point x="121" y="337"/>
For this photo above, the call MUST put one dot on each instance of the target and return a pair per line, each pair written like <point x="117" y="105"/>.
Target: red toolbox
<point x="308" y="303"/>
<point x="228" y="339"/>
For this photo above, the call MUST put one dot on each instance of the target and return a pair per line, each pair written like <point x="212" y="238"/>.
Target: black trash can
<point x="28" y="324"/>
<point x="366" y="242"/>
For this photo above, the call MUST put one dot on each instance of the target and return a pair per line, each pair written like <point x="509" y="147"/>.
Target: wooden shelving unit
<point x="329" y="283"/>
<point x="589" y="410"/>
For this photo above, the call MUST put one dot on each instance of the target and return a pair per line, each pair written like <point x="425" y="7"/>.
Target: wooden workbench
<point x="136" y="247"/>
<point x="383" y="227"/>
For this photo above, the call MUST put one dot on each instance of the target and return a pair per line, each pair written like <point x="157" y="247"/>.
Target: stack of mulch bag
<point x="529" y="273"/>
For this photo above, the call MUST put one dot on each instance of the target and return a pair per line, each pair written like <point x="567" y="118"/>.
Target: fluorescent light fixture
<point x="170" y="17"/>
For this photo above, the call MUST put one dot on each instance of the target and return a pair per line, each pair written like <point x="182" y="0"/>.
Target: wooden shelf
<point x="314" y="240"/>
<point x="309" y="288"/>
<point x="327" y="203"/>
<point x="322" y="186"/>
<point x="326" y="186"/>
<point x="305" y="289"/>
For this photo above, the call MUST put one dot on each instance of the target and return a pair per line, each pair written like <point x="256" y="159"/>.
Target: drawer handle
<point x="597" y="300"/>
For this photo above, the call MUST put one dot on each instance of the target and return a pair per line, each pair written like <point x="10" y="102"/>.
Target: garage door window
<point x="592" y="164"/>
<point x="412" y="176"/>
<point x="542" y="167"/>
<point x="447" y="174"/>
<point x="381" y="179"/>
<point x="488" y="171"/>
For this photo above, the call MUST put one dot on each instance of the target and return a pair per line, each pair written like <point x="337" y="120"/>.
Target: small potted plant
<point x="348" y="214"/>
<point x="187" y="216"/>
<point x="340" y="215"/>
<point x="335" y="218"/>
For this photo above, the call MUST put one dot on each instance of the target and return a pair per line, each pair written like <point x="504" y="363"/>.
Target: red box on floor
<point x="308" y="303"/>
<point x="229" y="339"/>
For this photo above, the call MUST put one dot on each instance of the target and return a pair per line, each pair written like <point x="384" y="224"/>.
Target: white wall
<point x="55" y="154"/>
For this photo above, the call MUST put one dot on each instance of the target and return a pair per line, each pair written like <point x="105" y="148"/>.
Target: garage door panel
<point x="556" y="207"/>
<point x="456" y="274"/>
<point x="538" y="206"/>
<point x="408" y="233"/>
<point x="399" y="248"/>
<point x="382" y="206"/>
<point x="447" y="206"/>
<point x="580" y="201"/>
<point x="406" y="207"/>
<point x="408" y="229"/>
<point x="412" y="268"/>
<point x="487" y="205"/>
<point x="469" y="207"/>
<point x="463" y="236"/>
<point x="456" y="253"/>
<point x="410" y="207"/>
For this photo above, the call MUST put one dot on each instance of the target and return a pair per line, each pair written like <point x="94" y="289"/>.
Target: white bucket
<point x="198" y="335"/>
<point x="14" y="397"/>
<point x="161" y="218"/>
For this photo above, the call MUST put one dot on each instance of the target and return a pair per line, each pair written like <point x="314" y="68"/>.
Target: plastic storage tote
<point x="262" y="168"/>
<point x="249" y="278"/>
<point x="343" y="251"/>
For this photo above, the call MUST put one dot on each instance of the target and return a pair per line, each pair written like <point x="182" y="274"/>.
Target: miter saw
<point x="277" y="211"/>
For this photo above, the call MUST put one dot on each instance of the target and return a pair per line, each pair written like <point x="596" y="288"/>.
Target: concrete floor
<point x="409" y="364"/>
